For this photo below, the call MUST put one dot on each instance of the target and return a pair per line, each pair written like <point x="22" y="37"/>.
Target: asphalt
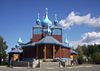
<point x="74" y="68"/>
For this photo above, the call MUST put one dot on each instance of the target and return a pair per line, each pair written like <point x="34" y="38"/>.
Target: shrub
<point x="4" y="63"/>
<point x="80" y="60"/>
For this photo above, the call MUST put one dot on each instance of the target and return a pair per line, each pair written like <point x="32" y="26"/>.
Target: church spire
<point x="66" y="40"/>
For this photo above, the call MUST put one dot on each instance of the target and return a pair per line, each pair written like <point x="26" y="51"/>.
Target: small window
<point x="56" y="32"/>
<point x="37" y="31"/>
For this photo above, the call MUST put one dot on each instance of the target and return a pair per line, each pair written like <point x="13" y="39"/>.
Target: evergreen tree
<point x="3" y="47"/>
<point x="90" y="52"/>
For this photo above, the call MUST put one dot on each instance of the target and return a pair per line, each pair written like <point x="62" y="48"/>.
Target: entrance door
<point x="40" y="52"/>
<point x="49" y="51"/>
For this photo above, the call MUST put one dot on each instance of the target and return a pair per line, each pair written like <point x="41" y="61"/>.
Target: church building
<point x="47" y="42"/>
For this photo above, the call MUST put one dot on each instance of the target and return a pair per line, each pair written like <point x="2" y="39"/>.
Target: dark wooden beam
<point x="37" y="52"/>
<point x="60" y="52"/>
<point x="44" y="52"/>
<point x="53" y="51"/>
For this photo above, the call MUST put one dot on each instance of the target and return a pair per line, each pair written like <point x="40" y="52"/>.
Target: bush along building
<point x="46" y="43"/>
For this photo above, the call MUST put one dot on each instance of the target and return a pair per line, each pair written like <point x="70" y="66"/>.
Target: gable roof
<point x="48" y="40"/>
<point x="73" y="52"/>
<point x="65" y="45"/>
<point x="16" y="50"/>
<point x="28" y="45"/>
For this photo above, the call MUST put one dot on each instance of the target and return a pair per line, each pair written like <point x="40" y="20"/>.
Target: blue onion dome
<point x="46" y="22"/>
<point x="38" y="20"/>
<point x="55" y="21"/>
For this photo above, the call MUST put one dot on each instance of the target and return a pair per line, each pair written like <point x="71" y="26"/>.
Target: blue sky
<point x="17" y="17"/>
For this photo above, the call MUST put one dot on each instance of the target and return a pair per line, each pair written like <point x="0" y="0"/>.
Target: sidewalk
<point x="2" y="66"/>
<point x="81" y="66"/>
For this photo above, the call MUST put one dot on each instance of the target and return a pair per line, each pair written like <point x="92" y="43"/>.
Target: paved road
<point x="75" y="68"/>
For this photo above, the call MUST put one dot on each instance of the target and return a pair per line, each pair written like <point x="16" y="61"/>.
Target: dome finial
<point x="55" y="21"/>
<point x="46" y="11"/>
<point x="55" y="16"/>
<point x="38" y="19"/>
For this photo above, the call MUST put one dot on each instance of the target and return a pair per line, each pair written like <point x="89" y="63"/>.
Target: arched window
<point x="37" y="31"/>
<point x="56" y="32"/>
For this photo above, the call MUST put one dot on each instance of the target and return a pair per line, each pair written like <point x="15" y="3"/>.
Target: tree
<point x="3" y="47"/>
<point x="96" y="57"/>
<point x="80" y="54"/>
<point x="89" y="54"/>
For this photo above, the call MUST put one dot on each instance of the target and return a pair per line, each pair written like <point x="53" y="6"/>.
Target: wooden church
<point x="46" y="43"/>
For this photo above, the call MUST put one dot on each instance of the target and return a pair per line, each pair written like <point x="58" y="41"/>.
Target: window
<point x="56" y="32"/>
<point x="37" y="31"/>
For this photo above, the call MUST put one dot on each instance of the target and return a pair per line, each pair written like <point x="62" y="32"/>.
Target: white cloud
<point x="72" y="19"/>
<point x="89" y="38"/>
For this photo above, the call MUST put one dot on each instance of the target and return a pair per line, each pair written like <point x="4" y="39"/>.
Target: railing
<point x="36" y="63"/>
<point x="64" y="63"/>
<point x="28" y="64"/>
<point x="21" y="64"/>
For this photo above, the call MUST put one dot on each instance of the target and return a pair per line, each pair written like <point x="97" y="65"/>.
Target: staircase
<point x="34" y="64"/>
<point x="50" y="65"/>
<point x="22" y="64"/>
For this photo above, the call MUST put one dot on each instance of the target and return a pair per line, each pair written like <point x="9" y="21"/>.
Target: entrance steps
<point x="49" y="65"/>
<point x="22" y="64"/>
